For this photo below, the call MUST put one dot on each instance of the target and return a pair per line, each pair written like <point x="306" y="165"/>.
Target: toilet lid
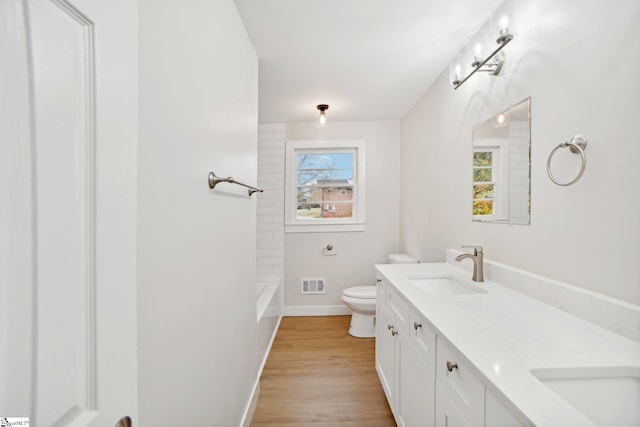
<point x="366" y="292"/>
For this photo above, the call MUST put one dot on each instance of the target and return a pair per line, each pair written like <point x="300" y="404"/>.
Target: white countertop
<point x="505" y="334"/>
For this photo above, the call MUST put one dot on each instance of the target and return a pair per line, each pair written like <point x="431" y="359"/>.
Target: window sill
<point x="322" y="228"/>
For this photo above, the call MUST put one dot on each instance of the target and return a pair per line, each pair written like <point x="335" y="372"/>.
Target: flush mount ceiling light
<point x="483" y="52"/>
<point x="323" y="118"/>
<point x="501" y="120"/>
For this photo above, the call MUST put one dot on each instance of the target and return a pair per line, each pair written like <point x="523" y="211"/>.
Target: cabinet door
<point x="496" y="414"/>
<point x="456" y="377"/>
<point x="385" y="353"/>
<point x="446" y="413"/>
<point x="416" y="388"/>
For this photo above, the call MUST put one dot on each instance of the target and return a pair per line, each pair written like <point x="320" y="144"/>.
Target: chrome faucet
<point x="477" y="257"/>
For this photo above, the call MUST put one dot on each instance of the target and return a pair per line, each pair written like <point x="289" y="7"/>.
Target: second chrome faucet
<point x="477" y="257"/>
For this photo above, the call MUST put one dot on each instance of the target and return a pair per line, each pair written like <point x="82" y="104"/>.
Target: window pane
<point x="482" y="174"/>
<point x="483" y="191"/>
<point x="483" y="207"/>
<point x="482" y="158"/>
<point x="308" y="211"/>
<point x="337" y="194"/>
<point x="324" y="210"/>
<point x="325" y="168"/>
<point x="309" y="195"/>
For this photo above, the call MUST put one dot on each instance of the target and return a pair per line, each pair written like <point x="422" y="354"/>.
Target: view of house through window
<point x="325" y="184"/>
<point x="484" y="182"/>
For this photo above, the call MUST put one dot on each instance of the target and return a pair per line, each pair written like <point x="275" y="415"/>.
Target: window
<point x="324" y="186"/>
<point x="485" y="182"/>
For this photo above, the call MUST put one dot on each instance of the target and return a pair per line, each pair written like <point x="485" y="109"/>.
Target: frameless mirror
<point x="502" y="167"/>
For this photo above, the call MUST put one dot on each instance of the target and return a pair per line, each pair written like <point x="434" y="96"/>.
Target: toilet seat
<point x="362" y="292"/>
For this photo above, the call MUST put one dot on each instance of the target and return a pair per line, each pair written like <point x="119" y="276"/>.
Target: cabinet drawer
<point x="464" y="389"/>
<point x="399" y="309"/>
<point x="423" y="337"/>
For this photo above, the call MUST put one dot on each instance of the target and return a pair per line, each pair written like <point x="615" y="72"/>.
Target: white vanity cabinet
<point x="447" y="415"/>
<point x="417" y="389"/>
<point x="387" y="347"/>
<point x="426" y="380"/>
<point x="405" y="373"/>
<point x="463" y="390"/>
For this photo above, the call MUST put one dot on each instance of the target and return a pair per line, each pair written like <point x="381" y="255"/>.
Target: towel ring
<point x="577" y="145"/>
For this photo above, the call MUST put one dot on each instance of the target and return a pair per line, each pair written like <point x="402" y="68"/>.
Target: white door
<point x="68" y="126"/>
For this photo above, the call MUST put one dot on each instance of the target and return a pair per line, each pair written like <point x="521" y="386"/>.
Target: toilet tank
<point x="402" y="259"/>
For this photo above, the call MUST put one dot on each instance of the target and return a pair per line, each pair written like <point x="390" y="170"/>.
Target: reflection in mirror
<point x="501" y="167"/>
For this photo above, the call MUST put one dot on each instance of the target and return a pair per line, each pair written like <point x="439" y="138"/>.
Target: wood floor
<point x="318" y="375"/>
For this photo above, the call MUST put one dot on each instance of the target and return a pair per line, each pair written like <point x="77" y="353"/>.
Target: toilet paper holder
<point x="328" y="250"/>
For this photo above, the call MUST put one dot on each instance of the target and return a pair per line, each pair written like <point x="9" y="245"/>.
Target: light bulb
<point x="322" y="108"/>
<point x="501" y="120"/>
<point x="477" y="51"/>
<point x="504" y="24"/>
<point x="477" y="55"/>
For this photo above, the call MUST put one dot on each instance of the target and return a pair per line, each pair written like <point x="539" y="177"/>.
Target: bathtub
<point x="268" y="314"/>
<point x="267" y="299"/>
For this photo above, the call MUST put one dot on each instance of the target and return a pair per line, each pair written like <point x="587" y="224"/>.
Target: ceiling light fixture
<point x="323" y="117"/>
<point x="481" y="53"/>
<point x="501" y="120"/>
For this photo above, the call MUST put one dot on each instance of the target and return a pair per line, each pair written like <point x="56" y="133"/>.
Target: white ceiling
<point x="367" y="59"/>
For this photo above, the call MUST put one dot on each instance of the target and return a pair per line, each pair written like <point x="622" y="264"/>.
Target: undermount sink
<point x="609" y="396"/>
<point x="444" y="284"/>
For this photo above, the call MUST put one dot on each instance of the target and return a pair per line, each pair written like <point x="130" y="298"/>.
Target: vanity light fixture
<point x="323" y="117"/>
<point x="484" y="50"/>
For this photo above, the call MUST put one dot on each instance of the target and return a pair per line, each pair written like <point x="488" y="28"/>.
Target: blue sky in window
<point x="312" y="166"/>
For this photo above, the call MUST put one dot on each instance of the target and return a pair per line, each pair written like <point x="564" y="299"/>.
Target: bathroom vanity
<point x="453" y="352"/>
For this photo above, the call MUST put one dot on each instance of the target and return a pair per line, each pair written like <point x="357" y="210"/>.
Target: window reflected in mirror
<point x="501" y="167"/>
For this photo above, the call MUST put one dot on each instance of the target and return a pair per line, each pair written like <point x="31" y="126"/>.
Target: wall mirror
<point x="502" y="166"/>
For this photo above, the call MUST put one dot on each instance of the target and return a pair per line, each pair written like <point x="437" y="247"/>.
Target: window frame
<point x="495" y="180"/>
<point x="310" y="225"/>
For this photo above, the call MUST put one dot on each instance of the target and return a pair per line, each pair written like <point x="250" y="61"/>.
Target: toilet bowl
<point x="361" y="300"/>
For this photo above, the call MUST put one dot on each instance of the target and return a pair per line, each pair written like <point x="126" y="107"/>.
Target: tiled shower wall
<point x="270" y="229"/>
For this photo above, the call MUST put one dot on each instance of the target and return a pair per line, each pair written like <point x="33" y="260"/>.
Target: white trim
<point x="255" y="394"/>
<point x="500" y="177"/>
<point x="323" y="228"/>
<point x="316" y="310"/>
<point x="251" y="406"/>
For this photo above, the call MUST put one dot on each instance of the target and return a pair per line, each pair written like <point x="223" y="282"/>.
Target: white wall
<point x="196" y="246"/>
<point x="578" y="62"/>
<point x="357" y="252"/>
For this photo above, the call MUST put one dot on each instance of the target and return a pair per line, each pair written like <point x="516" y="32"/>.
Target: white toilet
<point x="362" y="301"/>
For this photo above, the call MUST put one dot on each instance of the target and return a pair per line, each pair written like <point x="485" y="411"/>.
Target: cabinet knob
<point x="389" y="326"/>
<point x="417" y="325"/>
<point x="394" y="332"/>
<point x="451" y="366"/>
<point x="378" y="280"/>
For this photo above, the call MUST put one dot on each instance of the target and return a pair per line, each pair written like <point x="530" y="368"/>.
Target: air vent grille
<point x="313" y="285"/>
